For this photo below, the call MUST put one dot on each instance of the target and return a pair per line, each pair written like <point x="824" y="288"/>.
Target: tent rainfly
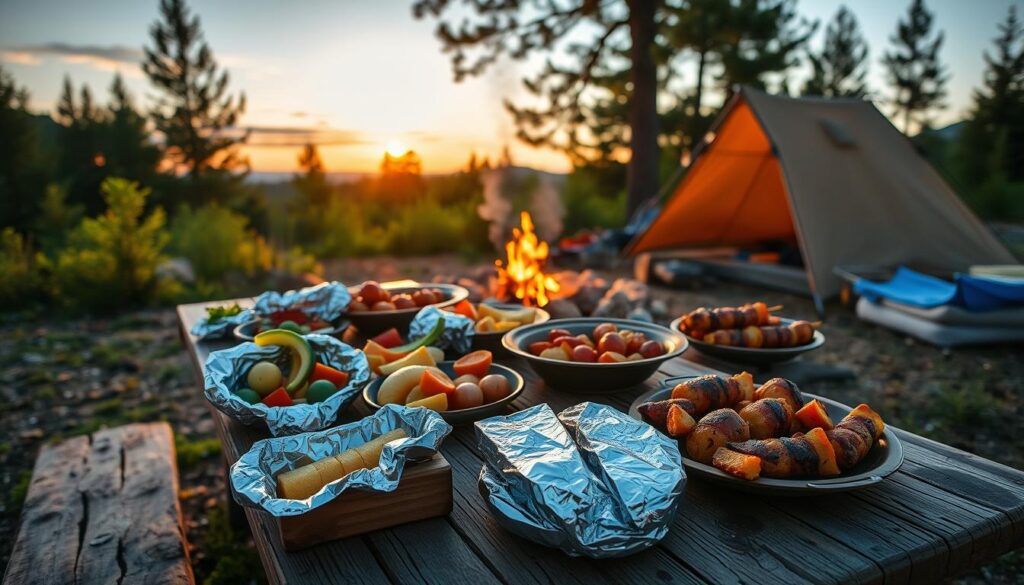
<point x="833" y="176"/>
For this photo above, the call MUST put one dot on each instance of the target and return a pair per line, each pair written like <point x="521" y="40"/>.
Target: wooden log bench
<point x="104" y="508"/>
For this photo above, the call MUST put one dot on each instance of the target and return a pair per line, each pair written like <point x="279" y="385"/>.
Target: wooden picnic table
<point x="942" y="513"/>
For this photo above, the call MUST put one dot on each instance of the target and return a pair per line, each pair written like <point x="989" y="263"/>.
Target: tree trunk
<point x="642" y="174"/>
<point x="698" y="97"/>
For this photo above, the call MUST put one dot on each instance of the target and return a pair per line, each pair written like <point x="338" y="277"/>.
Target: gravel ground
<point x="67" y="377"/>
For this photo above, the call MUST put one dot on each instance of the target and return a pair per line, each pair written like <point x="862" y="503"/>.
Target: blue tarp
<point x="974" y="293"/>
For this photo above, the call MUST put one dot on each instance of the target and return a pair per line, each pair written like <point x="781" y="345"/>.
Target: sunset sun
<point x="395" y="148"/>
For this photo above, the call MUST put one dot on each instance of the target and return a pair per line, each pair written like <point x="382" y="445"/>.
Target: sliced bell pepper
<point x="278" y="397"/>
<point x="336" y="377"/>
<point x="426" y="340"/>
<point x="389" y="338"/>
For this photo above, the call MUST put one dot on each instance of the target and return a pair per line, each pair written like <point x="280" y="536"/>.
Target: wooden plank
<point x="123" y="488"/>
<point x="52" y="517"/>
<point x="914" y="527"/>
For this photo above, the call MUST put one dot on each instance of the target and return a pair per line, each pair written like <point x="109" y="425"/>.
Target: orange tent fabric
<point x="834" y="176"/>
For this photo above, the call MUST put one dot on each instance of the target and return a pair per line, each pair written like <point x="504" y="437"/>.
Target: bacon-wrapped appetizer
<point x="656" y="413"/>
<point x="854" y="436"/>
<point x="781" y="388"/>
<point x="713" y="392"/>
<point x="715" y="430"/>
<point x="768" y="417"/>
<point x="768" y="337"/>
<point x="699" y="322"/>
<point x="810" y="454"/>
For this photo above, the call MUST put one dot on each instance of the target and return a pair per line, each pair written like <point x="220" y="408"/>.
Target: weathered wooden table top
<point x="943" y="512"/>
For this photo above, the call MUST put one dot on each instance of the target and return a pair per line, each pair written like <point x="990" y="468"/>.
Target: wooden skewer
<point x="816" y="324"/>
<point x="774" y="308"/>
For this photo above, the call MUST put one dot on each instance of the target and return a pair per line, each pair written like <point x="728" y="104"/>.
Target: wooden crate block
<point x="425" y="491"/>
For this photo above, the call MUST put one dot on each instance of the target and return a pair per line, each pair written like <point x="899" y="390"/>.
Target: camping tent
<point x="831" y="175"/>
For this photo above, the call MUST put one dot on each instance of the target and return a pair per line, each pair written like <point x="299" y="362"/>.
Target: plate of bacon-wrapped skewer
<point x="749" y="334"/>
<point x="772" y="438"/>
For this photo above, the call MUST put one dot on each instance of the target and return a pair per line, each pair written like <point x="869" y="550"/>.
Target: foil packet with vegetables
<point x="220" y="321"/>
<point x="392" y="437"/>
<point x="323" y="302"/>
<point x="457" y="336"/>
<point x="591" y="481"/>
<point x="290" y="382"/>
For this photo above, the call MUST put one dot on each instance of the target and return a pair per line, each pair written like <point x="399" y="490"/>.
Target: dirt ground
<point x="67" y="377"/>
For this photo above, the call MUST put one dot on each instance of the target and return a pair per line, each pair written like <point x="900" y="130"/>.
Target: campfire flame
<point x="523" y="275"/>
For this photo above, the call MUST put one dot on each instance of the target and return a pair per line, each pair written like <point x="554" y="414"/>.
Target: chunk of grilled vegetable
<point x="781" y="388"/>
<point x="768" y="417"/>
<point x="713" y="392"/>
<point x="656" y="413"/>
<point x="827" y="464"/>
<point x="813" y="415"/>
<point x="737" y="464"/>
<point x="715" y="430"/>
<point x="783" y="457"/>
<point x="678" y="422"/>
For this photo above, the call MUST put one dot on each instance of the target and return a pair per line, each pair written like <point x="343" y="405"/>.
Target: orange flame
<point x="523" y="276"/>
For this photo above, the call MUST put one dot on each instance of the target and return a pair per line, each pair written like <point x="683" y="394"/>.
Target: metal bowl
<point x="492" y="341"/>
<point x="464" y="415"/>
<point x="370" y="323"/>
<point x="753" y="355"/>
<point x="247" y="331"/>
<point x="885" y="457"/>
<point x="592" y="377"/>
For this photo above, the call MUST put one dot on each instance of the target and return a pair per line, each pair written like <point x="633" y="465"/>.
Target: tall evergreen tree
<point x="22" y="166"/>
<point x="623" y="44"/>
<point x="766" y="36"/>
<point x="82" y="159"/>
<point x="997" y="116"/>
<point x="312" y="182"/>
<point x="915" y="72"/>
<point x="194" y="110"/>
<point x="127" y="147"/>
<point x="841" y="68"/>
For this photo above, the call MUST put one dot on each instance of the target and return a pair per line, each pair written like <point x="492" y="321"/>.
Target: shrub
<point x="111" y="260"/>
<point x="22" y="279"/>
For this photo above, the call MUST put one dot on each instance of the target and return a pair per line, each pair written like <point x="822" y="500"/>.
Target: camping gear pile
<point x="967" y="311"/>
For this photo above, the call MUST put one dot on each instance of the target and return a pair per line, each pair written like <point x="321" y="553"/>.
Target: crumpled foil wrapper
<point x="222" y="327"/>
<point x="253" y="475"/>
<point x="458" y="329"/>
<point x="226" y="371"/>
<point x="592" y="481"/>
<point x="325" y="301"/>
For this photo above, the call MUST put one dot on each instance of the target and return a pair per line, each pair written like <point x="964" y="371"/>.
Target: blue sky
<point x="356" y="76"/>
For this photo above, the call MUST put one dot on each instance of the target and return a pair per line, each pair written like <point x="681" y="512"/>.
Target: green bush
<point x="588" y="205"/>
<point x="22" y="278"/>
<point x="215" y="240"/>
<point x="111" y="260"/>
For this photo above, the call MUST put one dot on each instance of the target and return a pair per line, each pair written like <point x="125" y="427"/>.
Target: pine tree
<point x="841" y="68"/>
<point x="624" y="32"/>
<point x="917" y="76"/>
<point x="22" y="165"/>
<point x="997" y="115"/>
<point x="312" y="182"/>
<point x="766" y="38"/>
<point x="127" y="147"/>
<point x="194" y="110"/>
<point x="82" y="158"/>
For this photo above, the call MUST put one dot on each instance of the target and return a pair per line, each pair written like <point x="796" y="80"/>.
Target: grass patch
<point x="16" y="497"/>
<point x="109" y="407"/>
<point x="191" y="452"/>
<point x="235" y="561"/>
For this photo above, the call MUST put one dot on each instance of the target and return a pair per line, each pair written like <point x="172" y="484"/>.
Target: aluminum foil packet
<point x="221" y="328"/>
<point x="253" y="475"/>
<point x="458" y="329"/>
<point x="226" y="371"/>
<point x="325" y="301"/>
<point x="592" y="481"/>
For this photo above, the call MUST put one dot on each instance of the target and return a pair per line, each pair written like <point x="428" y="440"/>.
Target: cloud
<point x="300" y="136"/>
<point x="105" y="58"/>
